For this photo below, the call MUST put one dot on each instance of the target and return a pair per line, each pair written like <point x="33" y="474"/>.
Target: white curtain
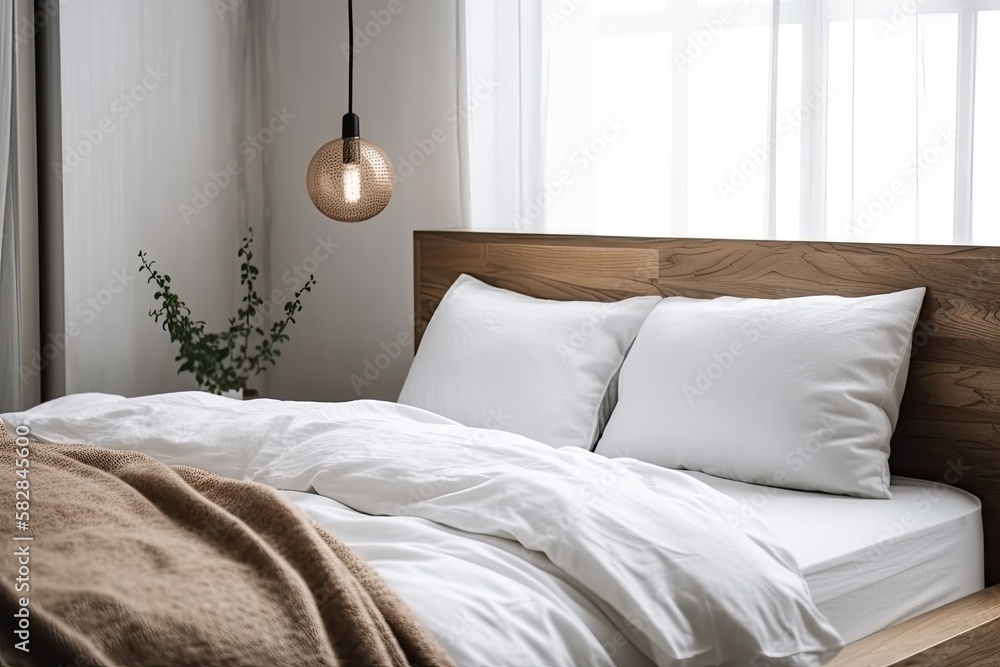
<point x="868" y="120"/>
<point x="500" y="110"/>
<point x="164" y="142"/>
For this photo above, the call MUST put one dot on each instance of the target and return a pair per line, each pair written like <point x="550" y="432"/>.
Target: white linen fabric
<point x="492" y="358"/>
<point x="552" y="556"/>
<point x="799" y="393"/>
<point x="871" y="563"/>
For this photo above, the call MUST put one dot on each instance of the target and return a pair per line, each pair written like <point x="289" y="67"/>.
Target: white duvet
<point x="510" y="552"/>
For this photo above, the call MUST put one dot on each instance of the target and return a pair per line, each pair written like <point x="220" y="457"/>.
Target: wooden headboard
<point x="949" y="424"/>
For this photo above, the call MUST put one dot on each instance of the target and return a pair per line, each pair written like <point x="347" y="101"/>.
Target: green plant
<point x="223" y="361"/>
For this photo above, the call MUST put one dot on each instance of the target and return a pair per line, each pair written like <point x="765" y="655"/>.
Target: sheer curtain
<point x="868" y="120"/>
<point x="164" y="140"/>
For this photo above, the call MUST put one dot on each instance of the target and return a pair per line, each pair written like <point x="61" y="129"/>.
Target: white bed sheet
<point x="489" y="601"/>
<point x="868" y="563"/>
<point x="514" y="553"/>
<point x="873" y="563"/>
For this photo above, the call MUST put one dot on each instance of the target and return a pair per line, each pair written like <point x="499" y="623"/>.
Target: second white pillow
<point x="800" y="393"/>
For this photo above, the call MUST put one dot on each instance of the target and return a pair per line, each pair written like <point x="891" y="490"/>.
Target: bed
<point x="948" y="417"/>
<point x="510" y="568"/>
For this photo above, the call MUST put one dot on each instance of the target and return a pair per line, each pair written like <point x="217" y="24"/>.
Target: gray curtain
<point x="20" y="367"/>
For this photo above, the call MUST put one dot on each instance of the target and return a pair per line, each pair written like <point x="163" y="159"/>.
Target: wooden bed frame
<point x="949" y="424"/>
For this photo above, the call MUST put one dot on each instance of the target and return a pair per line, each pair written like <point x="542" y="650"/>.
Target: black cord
<point x="350" y="74"/>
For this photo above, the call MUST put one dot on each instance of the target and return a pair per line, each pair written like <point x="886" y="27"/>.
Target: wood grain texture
<point x="965" y="633"/>
<point x="949" y="425"/>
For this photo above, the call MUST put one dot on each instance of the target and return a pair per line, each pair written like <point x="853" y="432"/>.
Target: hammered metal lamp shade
<point x="350" y="180"/>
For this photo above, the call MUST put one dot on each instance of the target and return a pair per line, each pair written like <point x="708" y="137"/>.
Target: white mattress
<point x="874" y="563"/>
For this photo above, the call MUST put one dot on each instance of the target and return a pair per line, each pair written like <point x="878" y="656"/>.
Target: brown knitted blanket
<point x="138" y="564"/>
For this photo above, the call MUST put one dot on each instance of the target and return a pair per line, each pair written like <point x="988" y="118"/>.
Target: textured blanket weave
<point x="136" y="563"/>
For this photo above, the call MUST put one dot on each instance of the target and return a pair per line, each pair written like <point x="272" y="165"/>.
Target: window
<point x="868" y="120"/>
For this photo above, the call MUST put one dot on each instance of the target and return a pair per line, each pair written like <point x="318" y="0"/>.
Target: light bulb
<point x="352" y="183"/>
<point x="350" y="179"/>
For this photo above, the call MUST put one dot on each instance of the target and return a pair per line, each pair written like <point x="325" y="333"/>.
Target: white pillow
<point x="492" y="358"/>
<point x="797" y="393"/>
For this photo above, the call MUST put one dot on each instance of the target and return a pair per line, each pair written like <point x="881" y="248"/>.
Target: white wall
<point x="405" y="86"/>
<point x="150" y="100"/>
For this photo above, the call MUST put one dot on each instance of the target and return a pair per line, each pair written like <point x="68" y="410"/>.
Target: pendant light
<point x="350" y="179"/>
